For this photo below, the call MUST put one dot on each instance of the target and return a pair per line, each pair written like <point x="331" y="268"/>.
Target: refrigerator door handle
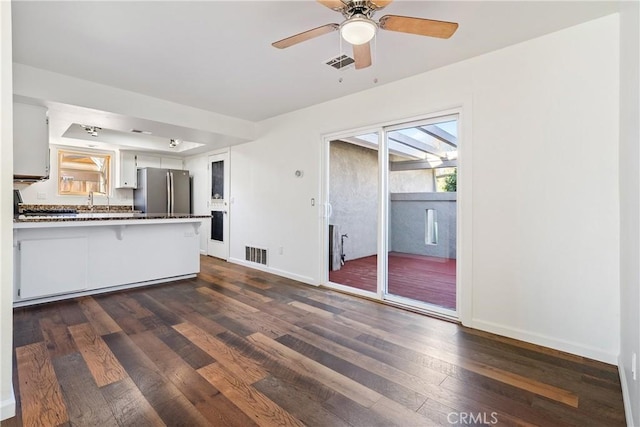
<point x="168" y="192"/>
<point x="173" y="194"/>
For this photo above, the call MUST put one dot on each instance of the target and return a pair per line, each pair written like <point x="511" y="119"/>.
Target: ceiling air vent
<point x="340" y="62"/>
<point x="146" y="132"/>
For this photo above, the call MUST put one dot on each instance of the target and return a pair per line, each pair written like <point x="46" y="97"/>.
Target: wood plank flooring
<point x="419" y="277"/>
<point x="239" y="347"/>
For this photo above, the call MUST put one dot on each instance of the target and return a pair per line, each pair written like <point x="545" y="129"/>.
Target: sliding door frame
<point x="386" y="195"/>
<point x="464" y="301"/>
<point x="327" y="211"/>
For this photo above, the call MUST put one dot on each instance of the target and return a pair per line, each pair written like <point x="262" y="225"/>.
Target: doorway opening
<point x="392" y="227"/>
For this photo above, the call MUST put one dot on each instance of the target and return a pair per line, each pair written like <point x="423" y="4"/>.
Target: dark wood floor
<point x="422" y="278"/>
<point x="237" y="347"/>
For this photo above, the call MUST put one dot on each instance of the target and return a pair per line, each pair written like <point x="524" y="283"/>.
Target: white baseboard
<point x="8" y="407"/>
<point x="277" y="272"/>
<point x="628" y="413"/>
<point x="546" y="341"/>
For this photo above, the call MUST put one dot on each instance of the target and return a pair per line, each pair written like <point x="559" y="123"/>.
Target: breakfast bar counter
<point x="63" y="256"/>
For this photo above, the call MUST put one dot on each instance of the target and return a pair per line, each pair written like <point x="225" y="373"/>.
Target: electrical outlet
<point x="634" y="366"/>
<point x="280" y="250"/>
<point x="41" y="196"/>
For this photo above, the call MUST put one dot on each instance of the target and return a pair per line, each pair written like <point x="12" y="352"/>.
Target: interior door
<point x="218" y="243"/>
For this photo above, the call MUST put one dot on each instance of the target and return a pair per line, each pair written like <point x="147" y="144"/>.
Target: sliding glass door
<point x="422" y="213"/>
<point x="353" y="223"/>
<point x="392" y="213"/>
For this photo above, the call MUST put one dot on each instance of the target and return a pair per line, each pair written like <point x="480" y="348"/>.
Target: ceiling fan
<point x="359" y="28"/>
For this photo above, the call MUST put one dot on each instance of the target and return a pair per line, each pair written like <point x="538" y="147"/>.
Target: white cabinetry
<point x="55" y="260"/>
<point x="171" y="163"/>
<point x="52" y="266"/>
<point x="30" y="143"/>
<point x="126" y="172"/>
<point x="145" y="161"/>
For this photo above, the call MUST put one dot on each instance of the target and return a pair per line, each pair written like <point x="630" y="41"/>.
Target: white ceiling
<point x="217" y="55"/>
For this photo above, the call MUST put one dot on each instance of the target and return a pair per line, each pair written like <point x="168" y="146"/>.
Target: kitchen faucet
<point x="90" y="200"/>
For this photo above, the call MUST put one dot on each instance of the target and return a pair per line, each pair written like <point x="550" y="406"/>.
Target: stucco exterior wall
<point x="353" y="194"/>
<point x="408" y="223"/>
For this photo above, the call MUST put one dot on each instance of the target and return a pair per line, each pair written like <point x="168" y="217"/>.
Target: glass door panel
<point x="421" y="246"/>
<point x="353" y="221"/>
<point x="218" y="243"/>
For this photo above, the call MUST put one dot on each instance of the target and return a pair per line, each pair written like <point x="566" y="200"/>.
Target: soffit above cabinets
<point x="68" y="125"/>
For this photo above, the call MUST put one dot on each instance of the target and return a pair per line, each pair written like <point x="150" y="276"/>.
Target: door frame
<point x="220" y="250"/>
<point x="463" y="212"/>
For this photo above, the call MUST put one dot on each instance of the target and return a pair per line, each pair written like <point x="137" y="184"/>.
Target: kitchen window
<point x="80" y="173"/>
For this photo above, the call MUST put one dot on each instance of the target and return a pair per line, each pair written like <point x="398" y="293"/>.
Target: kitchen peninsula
<point x="61" y="254"/>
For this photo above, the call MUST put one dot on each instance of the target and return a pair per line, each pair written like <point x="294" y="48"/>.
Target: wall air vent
<point x="341" y="62"/>
<point x="257" y="255"/>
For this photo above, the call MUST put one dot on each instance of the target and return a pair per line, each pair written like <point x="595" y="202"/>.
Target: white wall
<point x="630" y="204"/>
<point x="7" y="401"/>
<point x="546" y="225"/>
<point x="544" y="235"/>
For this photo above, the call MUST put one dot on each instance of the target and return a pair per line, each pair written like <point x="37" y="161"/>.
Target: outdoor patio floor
<point x="422" y="278"/>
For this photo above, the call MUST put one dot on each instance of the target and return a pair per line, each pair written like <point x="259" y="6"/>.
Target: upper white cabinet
<point x="170" y="163"/>
<point x="146" y="161"/>
<point x="30" y="143"/>
<point x="126" y="170"/>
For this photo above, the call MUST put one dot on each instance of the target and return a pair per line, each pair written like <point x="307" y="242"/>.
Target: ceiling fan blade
<point x="379" y="4"/>
<point x="304" y="36"/>
<point x="336" y="5"/>
<point x="419" y="26"/>
<point x="362" y="55"/>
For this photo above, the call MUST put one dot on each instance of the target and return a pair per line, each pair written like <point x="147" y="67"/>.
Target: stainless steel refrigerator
<point x="162" y="191"/>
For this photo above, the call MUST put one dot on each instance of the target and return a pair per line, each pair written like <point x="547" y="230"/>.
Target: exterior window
<point x="431" y="227"/>
<point x="81" y="173"/>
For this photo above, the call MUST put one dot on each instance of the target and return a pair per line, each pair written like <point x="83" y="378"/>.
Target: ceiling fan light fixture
<point x="358" y="30"/>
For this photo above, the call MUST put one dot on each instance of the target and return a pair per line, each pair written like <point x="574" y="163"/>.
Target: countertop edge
<point x="92" y="222"/>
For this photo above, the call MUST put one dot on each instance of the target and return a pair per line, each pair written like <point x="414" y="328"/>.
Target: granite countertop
<point x="102" y="216"/>
<point x="66" y="213"/>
